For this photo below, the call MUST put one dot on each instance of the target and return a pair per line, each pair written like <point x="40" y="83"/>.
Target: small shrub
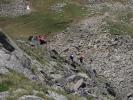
<point x="3" y="87"/>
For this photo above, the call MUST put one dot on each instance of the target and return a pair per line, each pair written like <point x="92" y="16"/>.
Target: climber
<point x="33" y="41"/>
<point x="41" y="39"/>
<point x="72" y="57"/>
<point x="30" y="38"/>
<point x="37" y="40"/>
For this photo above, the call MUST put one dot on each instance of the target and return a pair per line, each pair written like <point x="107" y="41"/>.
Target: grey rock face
<point x="15" y="61"/>
<point x="78" y="84"/>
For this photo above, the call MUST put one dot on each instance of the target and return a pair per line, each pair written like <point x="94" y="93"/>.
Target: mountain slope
<point x="106" y="43"/>
<point x="103" y="37"/>
<point x="55" y="72"/>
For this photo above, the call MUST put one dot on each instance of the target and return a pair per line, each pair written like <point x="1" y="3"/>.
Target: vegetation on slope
<point x="42" y="20"/>
<point x="13" y="81"/>
<point x="121" y="24"/>
<point x="18" y="85"/>
<point x="5" y="1"/>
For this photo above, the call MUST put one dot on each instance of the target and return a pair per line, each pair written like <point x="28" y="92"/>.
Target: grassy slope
<point x="120" y="24"/>
<point x="14" y="81"/>
<point x="42" y="19"/>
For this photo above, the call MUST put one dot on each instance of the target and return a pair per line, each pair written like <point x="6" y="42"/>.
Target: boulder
<point x="55" y="96"/>
<point x="3" y="95"/>
<point x="78" y="84"/>
<point x="30" y="97"/>
<point x="3" y="70"/>
<point x="56" y="76"/>
<point x="83" y="75"/>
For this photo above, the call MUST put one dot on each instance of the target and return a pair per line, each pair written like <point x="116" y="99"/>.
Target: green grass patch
<point x="120" y="23"/>
<point x="42" y="20"/>
<point x="124" y="16"/>
<point x="13" y="81"/>
<point x="74" y="11"/>
<point x="37" y="52"/>
<point x="3" y="87"/>
<point x="119" y="28"/>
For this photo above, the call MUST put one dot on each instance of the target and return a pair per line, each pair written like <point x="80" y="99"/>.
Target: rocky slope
<point x="58" y="73"/>
<point x="110" y="55"/>
<point x="107" y="70"/>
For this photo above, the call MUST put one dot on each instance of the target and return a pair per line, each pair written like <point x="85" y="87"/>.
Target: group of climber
<point x="81" y="58"/>
<point x="41" y="39"/>
<point x="37" y="40"/>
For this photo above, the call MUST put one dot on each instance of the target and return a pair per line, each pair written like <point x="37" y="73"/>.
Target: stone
<point x="93" y="95"/>
<point x="56" y="76"/>
<point x="3" y="95"/>
<point x="129" y="94"/>
<point x="16" y="92"/>
<point x="56" y="96"/>
<point x="3" y="70"/>
<point x="30" y="97"/>
<point x="131" y="98"/>
<point x="78" y="84"/>
<point x="71" y="77"/>
<point x="83" y="75"/>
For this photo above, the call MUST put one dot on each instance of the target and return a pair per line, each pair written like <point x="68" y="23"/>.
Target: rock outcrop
<point x="13" y="59"/>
